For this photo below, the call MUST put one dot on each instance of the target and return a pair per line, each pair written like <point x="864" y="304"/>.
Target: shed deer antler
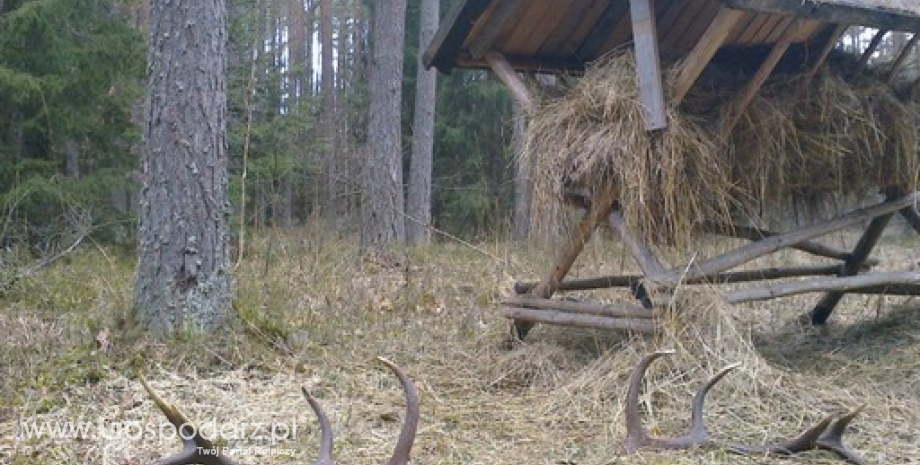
<point x="826" y="434"/>
<point x="199" y="450"/>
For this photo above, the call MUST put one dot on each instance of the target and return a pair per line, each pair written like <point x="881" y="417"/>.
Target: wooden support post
<point x="731" y="277"/>
<point x="851" y="267"/>
<point x="532" y="316"/>
<point x="755" y="234"/>
<point x="902" y="57"/>
<point x="740" y="105"/>
<point x="643" y="256"/>
<point x="829" y="45"/>
<point x="873" y="46"/>
<point x="771" y="244"/>
<point x="512" y="79"/>
<point x="648" y="65"/>
<point x="695" y="62"/>
<point x="837" y="285"/>
<point x="601" y="205"/>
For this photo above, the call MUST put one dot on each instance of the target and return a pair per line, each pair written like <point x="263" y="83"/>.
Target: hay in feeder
<point x="795" y="141"/>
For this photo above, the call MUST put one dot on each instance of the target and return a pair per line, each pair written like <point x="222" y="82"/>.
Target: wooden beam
<point x="731" y="277"/>
<point x="870" y="281"/>
<point x="740" y="105"/>
<point x="873" y="46"/>
<point x="619" y="310"/>
<point x="772" y="244"/>
<point x="851" y="267"/>
<point x="449" y="38"/>
<point x="833" y="12"/>
<point x="829" y="44"/>
<point x="512" y="79"/>
<point x="591" y="46"/>
<point x="490" y="32"/>
<point x="533" y="316"/>
<point x="902" y="57"/>
<point x="648" y="64"/>
<point x="912" y="216"/>
<point x="640" y="252"/>
<point x="601" y="205"/>
<point x="695" y="62"/>
<point x="756" y="234"/>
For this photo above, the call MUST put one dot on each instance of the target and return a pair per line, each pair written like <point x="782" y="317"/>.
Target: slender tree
<point x="183" y="277"/>
<point x="382" y="194"/>
<point x="419" y="200"/>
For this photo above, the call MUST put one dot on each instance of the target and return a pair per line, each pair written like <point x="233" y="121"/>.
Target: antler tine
<point x="409" y="429"/>
<point x="636" y="435"/>
<point x="832" y="438"/>
<point x="196" y="449"/>
<point x="697" y="423"/>
<point x="325" y="429"/>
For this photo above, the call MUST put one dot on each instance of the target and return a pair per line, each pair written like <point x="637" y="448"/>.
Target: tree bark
<point x="523" y="185"/>
<point x="382" y="194"/>
<point x="419" y="202"/>
<point x="334" y="205"/>
<point x="183" y="278"/>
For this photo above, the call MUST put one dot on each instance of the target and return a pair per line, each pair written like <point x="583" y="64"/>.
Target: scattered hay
<point x="795" y="141"/>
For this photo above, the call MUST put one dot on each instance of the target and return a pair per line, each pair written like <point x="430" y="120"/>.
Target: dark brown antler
<point x="636" y="435"/>
<point x="195" y="447"/>
<point x="199" y="450"/>
<point x="826" y="434"/>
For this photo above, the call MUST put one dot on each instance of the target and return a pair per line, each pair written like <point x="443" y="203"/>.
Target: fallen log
<point x="583" y="321"/>
<point x="618" y="310"/>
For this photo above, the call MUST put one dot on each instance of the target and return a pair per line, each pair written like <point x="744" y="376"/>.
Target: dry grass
<point x="316" y="315"/>
<point x="797" y="140"/>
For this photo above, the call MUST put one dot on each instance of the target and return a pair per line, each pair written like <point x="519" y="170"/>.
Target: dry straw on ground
<point x="798" y="139"/>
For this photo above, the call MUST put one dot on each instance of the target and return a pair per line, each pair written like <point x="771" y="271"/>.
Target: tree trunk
<point x="523" y="185"/>
<point x="419" y="203"/>
<point x="382" y="194"/>
<point x="183" y="276"/>
<point x="334" y="176"/>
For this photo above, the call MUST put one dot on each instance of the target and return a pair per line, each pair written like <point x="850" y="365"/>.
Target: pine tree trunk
<point x="419" y="201"/>
<point x="523" y="185"/>
<point x="382" y="203"/>
<point x="334" y="176"/>
<point x="183" y="276"/>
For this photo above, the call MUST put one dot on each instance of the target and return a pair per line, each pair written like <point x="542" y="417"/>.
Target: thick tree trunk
<point x="183" y="277"/>
<point x="382" y="194"/>
<point x="523" y="185"/>
<point x="419" y="201"/>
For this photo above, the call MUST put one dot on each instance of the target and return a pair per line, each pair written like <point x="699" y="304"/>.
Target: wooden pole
<point x="731" y="277"/>
<point x="902" y="57"/>
<point x="695" y="62"/>
<point x="873" y="46"/>
<point x="619" y="310"/>
<point x="832" y="39"/>
<point x="864" y="246"/>
<point x="648" y="65"/>
<point x="533" y="316"/>
<point x="772" y="244"/>
<point x="875" y="282"/>
<point x="512" y="79"/>
<point x="600" y="209"/>
<point x="755" y="234"/>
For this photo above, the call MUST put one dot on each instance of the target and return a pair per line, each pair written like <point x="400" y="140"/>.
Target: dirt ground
<point x="314" y="314"/>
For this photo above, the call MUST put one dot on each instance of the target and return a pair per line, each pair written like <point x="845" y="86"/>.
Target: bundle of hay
<point x="794" y="141"/>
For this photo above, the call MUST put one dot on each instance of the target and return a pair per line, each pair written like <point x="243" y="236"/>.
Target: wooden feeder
<point x="517" y="37"/>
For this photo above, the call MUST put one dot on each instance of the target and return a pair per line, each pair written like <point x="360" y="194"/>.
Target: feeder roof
<point x="554" y="35"/>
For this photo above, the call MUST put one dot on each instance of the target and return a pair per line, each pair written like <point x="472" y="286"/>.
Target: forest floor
<point x="314" y="314"/>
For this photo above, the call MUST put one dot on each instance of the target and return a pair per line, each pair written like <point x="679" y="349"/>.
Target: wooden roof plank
<point x="698" y="27"/>
<point x="595" y="40"/>
<point x="453" y="31"/>
<point x="739" y="106"/>
<point x="571" y="24"/>
<point x="835" y="12"/>
<point x="693" y="65"/>
<point x="494" y="27"/>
